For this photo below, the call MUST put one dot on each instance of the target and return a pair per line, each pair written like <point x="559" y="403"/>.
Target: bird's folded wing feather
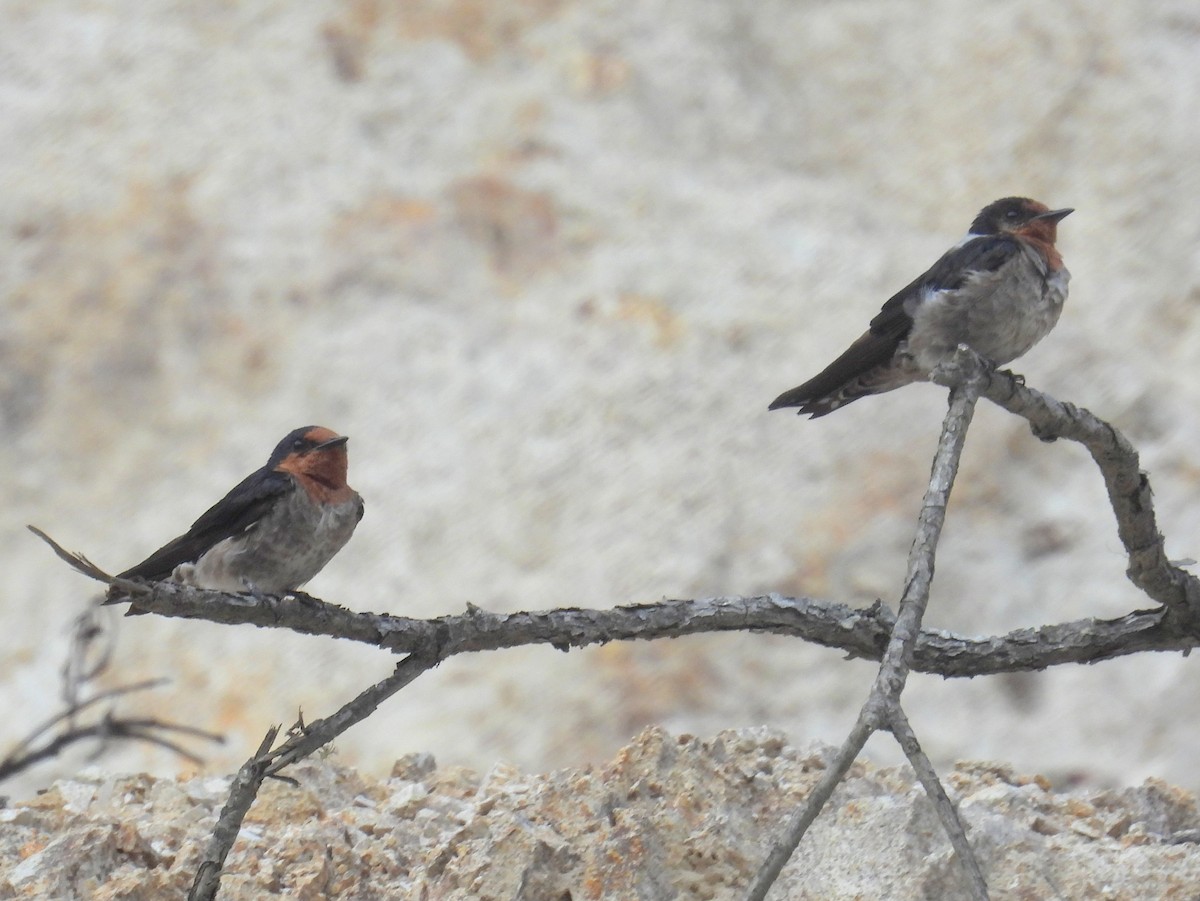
<point x="985" y="253"/>
<point x="870" y="350"/>
<point x="238" y="511"/>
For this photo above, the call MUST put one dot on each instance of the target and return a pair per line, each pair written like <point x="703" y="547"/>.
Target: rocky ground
<point x="667" y="817"/>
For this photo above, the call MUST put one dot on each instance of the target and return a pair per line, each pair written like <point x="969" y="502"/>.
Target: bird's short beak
<point x="332" y="442"/>
<point x="1055" y="215"/>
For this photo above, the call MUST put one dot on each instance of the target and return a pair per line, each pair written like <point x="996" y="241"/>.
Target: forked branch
<point x="882" y="710"/>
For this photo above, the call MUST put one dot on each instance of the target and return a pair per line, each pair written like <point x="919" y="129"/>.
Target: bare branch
<point x="89" y="639"/>
<point x="1128" y="491"/>
<point x="108" y="728"/>
<point x="946" y="811"/>
<point x="242" y="793"/>
<point x="783" y="848"/>
<point x="860" y="632"/>
<point x="304" y="740"/>
<point x="78" y="674"/>
<point x="882" y="709"/>
<point x="75" y="709"/>
<point x="311" y="736"/>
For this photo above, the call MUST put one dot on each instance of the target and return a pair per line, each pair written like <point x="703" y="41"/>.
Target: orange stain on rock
<point x="517" y="228"/>
<point x="479" y="28"/>
<point x="652" y="312"/>
<point x="384" y="211"/>
<point x="116" y="300"/>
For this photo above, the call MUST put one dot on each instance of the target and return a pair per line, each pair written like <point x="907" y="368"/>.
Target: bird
<point x="1000" y="290"/>
<point x="273" y="531"/>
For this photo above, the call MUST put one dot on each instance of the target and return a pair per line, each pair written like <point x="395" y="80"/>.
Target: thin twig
<point x="1128" y="491"/>
<point x="242" y="792"/>
<point x="265" y="763"/>
<point x="78" y="676"/>
<point x="782" y="850"/>
<point x="312" y="736"/>
<point x="882" y="708"/>
<point x="81" y="706"/>
<point x="147" y="730"/>
<point x="150" y="731"/>
<point x="944" y="807"/>
<point x="78" y="671"/>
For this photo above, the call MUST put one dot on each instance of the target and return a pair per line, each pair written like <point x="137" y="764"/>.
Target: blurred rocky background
<point x="546" y="263"/>
<point x="667" y="817"/>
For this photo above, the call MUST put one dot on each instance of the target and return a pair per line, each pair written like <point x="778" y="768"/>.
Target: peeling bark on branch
<point x="860" y="632"/>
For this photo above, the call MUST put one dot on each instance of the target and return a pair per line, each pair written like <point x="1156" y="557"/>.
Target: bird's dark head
<point x="313" y="452"/>
<point x="1019" y="215"/>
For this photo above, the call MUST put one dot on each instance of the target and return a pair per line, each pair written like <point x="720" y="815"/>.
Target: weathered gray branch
<point x="308" y="738"/>
<point x="859" y="632"/>
<point x="242" y="793"/>
<point x="1128" y="491"/>
<point x="303" y="739"/>
<point x="882" y="709"/>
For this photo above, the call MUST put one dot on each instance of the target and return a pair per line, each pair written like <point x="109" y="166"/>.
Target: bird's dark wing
<point x="985" y="253"/>
<point x="871" y="350"/>
<point x="849" y="376"/>
<point x="233" y="514"/>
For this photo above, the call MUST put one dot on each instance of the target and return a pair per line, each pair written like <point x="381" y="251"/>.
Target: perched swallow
<point x="999" y="291"/>
<point x="274" y="531"/>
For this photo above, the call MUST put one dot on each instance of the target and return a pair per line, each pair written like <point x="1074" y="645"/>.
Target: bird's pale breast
<point x="1000" y="315"/>
<point x="281" y="552"/>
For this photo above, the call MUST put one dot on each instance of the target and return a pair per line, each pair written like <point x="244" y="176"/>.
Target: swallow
<point x="1000" y="291"/>
<point x="274" y="531"/>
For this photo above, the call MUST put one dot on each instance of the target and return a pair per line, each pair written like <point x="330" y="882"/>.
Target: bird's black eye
<point x="1011" y="214"/>
<point x="299" y="444"/>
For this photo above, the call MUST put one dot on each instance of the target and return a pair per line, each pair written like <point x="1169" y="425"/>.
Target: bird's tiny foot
<point x="989" y="365"/>
<point x="254" y="591"/>
<point x="305" y="598"/>
<point x="1043" y="433"/>
<point x="1015" y="376"/>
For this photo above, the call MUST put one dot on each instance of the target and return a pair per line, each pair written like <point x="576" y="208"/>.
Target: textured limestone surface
<point x="667" y="817"/>
<point x="546" y="263"/>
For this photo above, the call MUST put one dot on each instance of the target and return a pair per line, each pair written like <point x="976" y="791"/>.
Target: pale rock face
<point x="548" y="263"/>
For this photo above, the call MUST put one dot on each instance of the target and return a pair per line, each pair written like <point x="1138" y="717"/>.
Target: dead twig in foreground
<point x="882" y="710"/>
<point x="69" y="728"/>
